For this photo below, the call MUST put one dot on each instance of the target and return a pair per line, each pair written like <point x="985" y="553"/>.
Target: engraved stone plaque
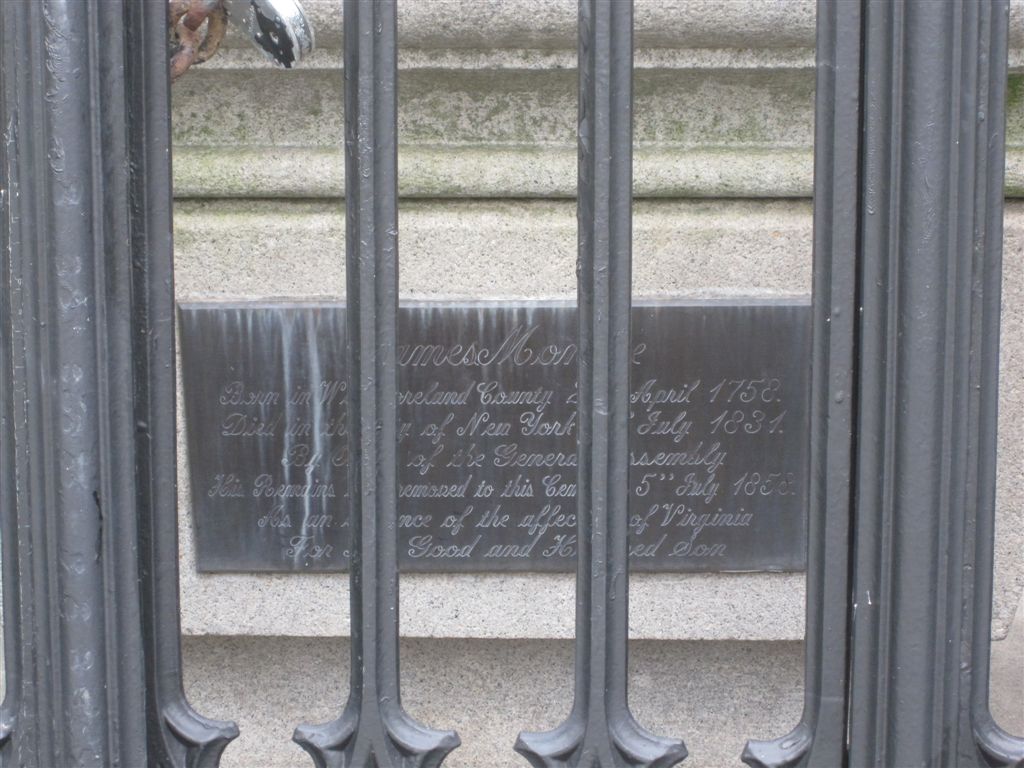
<point x="487" y="436"/>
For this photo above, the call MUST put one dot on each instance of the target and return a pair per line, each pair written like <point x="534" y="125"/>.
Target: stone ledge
<point x="493" y="172"/>
<point x="761" y="606"/>
<point x="486" y="134"/>
<point x="551" y="24"/>
<point x="245" y="57"/>
<point x="468" y="172"/>
<point x="459" y="34"/>
<point x="487" y="108"/>
<point x="674" y="110"/>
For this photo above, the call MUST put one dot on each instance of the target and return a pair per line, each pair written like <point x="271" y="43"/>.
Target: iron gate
<point x="908" y="216"/>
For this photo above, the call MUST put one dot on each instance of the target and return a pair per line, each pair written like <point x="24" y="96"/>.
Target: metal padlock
<point x="280" y="28"/>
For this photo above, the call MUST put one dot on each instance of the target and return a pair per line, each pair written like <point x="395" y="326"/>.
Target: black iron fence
<point x="908" y="216"/>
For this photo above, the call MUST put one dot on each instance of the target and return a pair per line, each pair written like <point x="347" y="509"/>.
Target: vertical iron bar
<point x="927" y="193"/>
<point x="978" y="728"/>
<point x="9" y="240"/>
<point x="8" y="461"/>
<point x="373" y="729"/>
<point x="600" y="730"/>
<point x="83" y="138"/>
<point x="819" y="739"/>
<point x="178" y="736"/>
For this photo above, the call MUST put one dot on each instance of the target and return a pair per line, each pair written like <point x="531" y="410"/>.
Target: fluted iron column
<point x="600" y="730"/>
<point x="373" y="729"/>
<point x="908" y="246"/>
<point x="87" y="445"/>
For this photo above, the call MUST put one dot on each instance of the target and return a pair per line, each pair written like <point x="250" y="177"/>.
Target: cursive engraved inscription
<point x="487" y="436"/>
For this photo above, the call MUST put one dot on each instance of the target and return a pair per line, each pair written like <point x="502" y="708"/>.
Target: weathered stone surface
<point x="1007" y="677"/>
<point x="548" y="24"/>
<point x="724" y="106"/>
<point x="516" y="250"/>
<point x="515" y="172"/>
<point x="488" y="111"/>
<point x="713" y="694"/>
<point x="485" y="107"/>
<point x="484" y="133"/>
<point x="492" y="249"/>
<point x="724" y="109"/>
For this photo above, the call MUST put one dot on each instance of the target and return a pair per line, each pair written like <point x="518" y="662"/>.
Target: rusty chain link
<point x="197" y="28"/>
